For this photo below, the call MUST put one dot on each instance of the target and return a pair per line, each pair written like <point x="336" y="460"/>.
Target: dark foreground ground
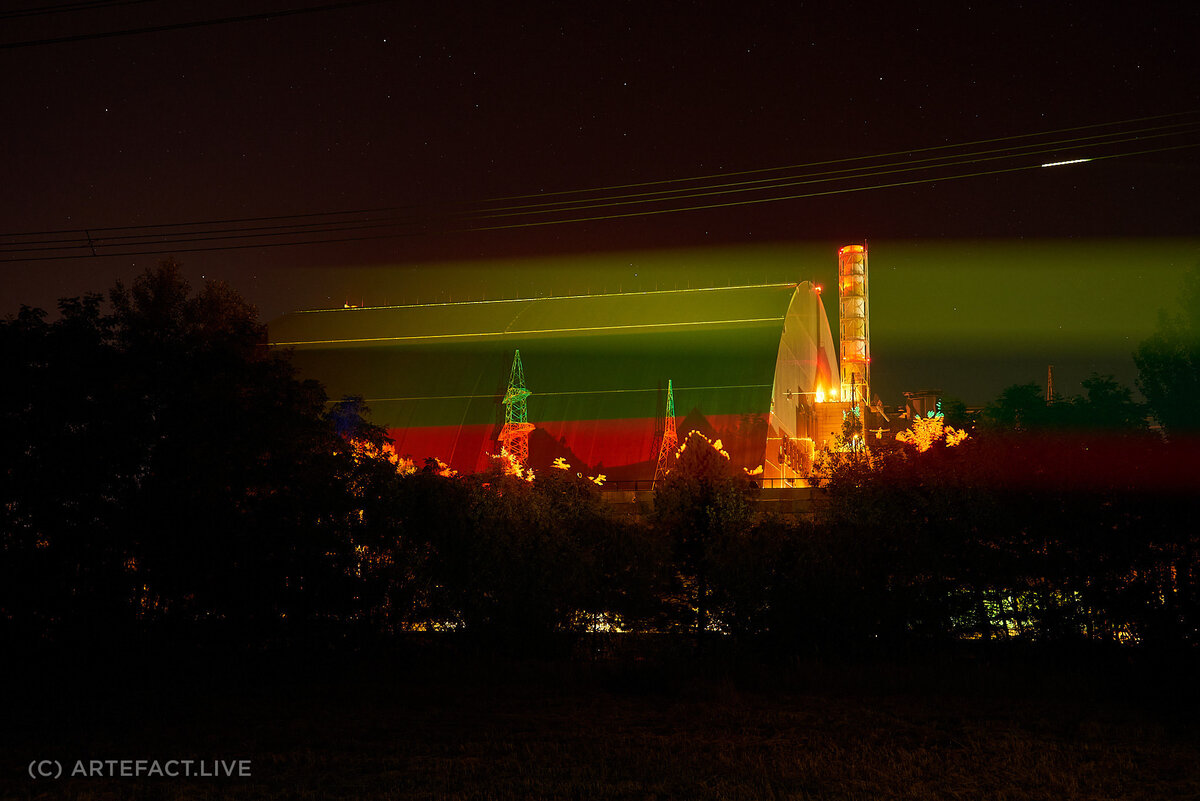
<point x="440" y="723"/>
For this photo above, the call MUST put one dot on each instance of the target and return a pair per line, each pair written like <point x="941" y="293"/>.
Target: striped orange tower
<point x="854" y="325"/>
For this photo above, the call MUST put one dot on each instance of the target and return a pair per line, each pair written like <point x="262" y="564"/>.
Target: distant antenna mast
<point x="670" y="439"/>
<point x="1049" y="384"/>
<point x="514" y="437"/>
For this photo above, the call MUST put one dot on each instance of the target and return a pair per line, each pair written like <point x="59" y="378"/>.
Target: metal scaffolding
<point x="514" y="436"/>
<point x="670" y="439"/>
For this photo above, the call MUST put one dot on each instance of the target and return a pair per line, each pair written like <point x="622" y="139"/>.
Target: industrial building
<point x="753" y="366"/>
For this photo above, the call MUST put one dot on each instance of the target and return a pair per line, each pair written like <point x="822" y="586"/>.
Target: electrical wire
<point x="178" y="26"/>
<point x="778" y="183"/>
<point x="92" y="236"/>
<point x="166" y="244"/>
<point x="872" y="187"/>
<point x="64" y="8"/>
<point x="212" y="222"/>
<point x="758" y="185"/>
<point x="595" y="218"/>
<point x="160" y="237"/>
<point x="413" y="208"/>
<point x="992" y="140"/>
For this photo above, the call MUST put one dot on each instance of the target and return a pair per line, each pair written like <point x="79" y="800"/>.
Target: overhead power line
<point x="66" y="8"/>
<point x="485" y="206"/>
<point x="604" y="203"/>
<point x="871" y="187"/>
<point x="178" y="26"/>
<point x="819" y="177"/>
<point x="110" y="237"/>
<point x="1193" y="115"/>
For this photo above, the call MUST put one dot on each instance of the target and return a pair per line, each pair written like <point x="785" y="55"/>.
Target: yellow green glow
<point x="572" y="392"/>
<point x="592" y="328"/>
<point x="350" y="308"/>
<point x="970" y="316"/>
<point x="996" y="296"/>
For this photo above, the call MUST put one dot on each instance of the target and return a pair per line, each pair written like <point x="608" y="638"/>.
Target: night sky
<point x="422" y="112"/>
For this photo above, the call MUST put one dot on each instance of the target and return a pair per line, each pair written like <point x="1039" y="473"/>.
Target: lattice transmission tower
<point x="514" y="437"/>
<point x="670" y="440"/>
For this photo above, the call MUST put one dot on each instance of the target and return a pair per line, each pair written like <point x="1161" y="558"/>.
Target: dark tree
<point x="852" y="431"/>
<point x="704" y="507"/>
<point x="1106" y="406"/>
<point x="955" y="412"/>
<point x="170" y="471"/>
<point x="1168" y="363"/>
<point x="70" y="469"/>
<point x="517" y="565"/>
<point x="1020" y="407"/>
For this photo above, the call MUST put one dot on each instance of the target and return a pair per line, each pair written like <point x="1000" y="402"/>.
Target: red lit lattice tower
<point x="670" y="440"/>
<point x="514" y="437"/>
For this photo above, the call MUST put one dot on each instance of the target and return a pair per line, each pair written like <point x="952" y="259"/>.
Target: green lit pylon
<point x="670" y="440"/>
<point x="514" y="437"/>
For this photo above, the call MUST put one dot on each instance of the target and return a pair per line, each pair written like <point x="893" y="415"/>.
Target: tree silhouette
<point x="1107" y="406"/>
<point x="1020" y="407"/>
<point x="702" y="504"/>
<point x="170" y="470"/>
<point x="69" y="472"/>
<point x="1168" y="363"/>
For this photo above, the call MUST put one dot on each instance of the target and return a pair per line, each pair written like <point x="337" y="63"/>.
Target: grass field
<point x="444" y="726"/>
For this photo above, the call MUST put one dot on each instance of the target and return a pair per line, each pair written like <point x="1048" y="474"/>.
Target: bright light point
<point x="820" y="396"/>
<point x="1060" y="163"/>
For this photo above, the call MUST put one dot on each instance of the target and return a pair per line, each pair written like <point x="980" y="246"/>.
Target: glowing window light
<point x="820" y="395"/>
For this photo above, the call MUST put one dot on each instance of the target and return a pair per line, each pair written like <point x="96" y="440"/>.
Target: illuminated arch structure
<point x="746" y="365"/>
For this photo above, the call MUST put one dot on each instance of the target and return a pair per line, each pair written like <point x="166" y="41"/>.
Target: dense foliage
<point x="167" y="478"/>
<point x="163" y="468"/>
<point x="1169" y="363"/>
